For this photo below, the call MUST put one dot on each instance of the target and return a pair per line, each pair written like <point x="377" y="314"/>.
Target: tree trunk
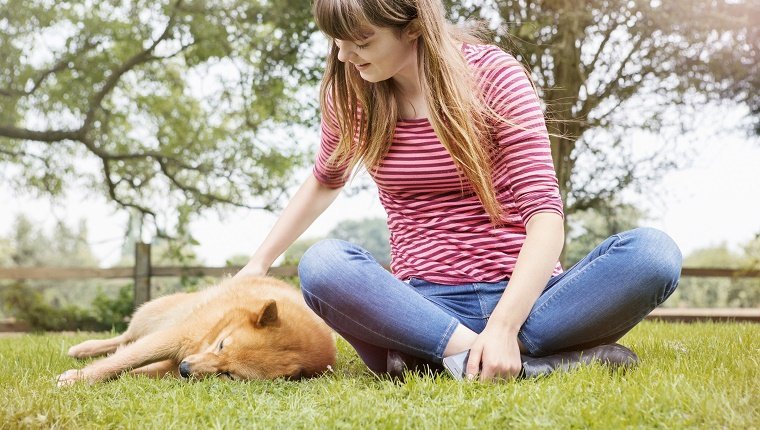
<point x="562" y="97"/>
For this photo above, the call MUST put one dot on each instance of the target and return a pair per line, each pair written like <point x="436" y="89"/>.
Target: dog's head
<point x="258" y="344"/>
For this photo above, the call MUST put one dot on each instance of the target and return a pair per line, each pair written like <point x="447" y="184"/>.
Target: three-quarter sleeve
<point x="522" y="141"/>
<point x="326" y="172"/>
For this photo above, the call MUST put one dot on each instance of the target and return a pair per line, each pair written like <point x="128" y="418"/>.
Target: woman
<point x="452" y="133"/>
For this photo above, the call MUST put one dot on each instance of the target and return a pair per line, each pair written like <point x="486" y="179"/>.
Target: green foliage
<point x="590" y="227"/>
<point x="166" y="107"/>
<point x="76" y="304"/>
<point x="701" y="376"/>
<point x="113" y="313"/>
<point x="30" y="245"/>
<point x="715" y="293"/>
<point x="172" y="107"/>
<point x="237" y="260"/>
<point x="294" y="253"/>
<point x="718" y="292"/>
<point x="27" y="305"/>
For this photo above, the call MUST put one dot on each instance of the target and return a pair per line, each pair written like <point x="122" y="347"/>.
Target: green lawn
<point x="692" y="376"/>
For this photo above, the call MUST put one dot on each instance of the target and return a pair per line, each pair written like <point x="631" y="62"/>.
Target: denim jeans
<point x="595" y="302"/>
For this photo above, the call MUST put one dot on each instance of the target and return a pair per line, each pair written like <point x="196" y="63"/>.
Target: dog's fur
<point x="254" y="328"/>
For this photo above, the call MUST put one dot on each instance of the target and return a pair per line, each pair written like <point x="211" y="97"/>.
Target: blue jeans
<point x="595" y="302"/>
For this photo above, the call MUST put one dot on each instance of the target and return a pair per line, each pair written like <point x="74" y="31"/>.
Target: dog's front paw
<point x="70" y="377"/>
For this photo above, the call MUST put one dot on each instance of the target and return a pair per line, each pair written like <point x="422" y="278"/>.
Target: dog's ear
<point x="267" y="315"/>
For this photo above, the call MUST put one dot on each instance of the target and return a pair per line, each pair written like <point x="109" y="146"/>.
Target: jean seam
<point x="459" y="314"/>
<point x="476" y="289"/>
<point x="313" y="296"/>
<point x="532" y="349"/>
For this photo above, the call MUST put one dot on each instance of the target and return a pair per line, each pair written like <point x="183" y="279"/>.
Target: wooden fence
<point x="143" y="271"/>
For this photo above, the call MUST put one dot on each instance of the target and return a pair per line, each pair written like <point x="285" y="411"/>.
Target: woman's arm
<point x="535" y="264"/>
<point x="306" y="205"/>
<point x="496" y="349"/>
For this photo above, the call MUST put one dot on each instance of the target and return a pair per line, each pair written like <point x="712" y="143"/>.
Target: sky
<point x="715" y="199"/>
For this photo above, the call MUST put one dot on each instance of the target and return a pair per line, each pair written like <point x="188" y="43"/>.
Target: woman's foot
<point x="399" y="362"/>
<point x="613" y="355"/>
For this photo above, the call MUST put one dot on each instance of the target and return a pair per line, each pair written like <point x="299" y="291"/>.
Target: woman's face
<point x="382" y="54"/>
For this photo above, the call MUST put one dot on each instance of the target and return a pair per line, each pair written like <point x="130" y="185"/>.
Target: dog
<point x="241" y="329"/>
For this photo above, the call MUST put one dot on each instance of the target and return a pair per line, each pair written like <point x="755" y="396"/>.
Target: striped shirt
<point x="440" y="231"/>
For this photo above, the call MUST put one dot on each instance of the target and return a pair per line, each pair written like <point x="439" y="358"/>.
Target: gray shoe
<point x="613" y="355"/>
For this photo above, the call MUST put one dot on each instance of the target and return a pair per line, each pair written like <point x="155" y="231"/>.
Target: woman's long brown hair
<point x="367" y="112"/>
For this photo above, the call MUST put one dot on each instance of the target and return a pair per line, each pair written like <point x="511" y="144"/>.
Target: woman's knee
<point x="329" y="263"/>
<point x="317" y="265"/>
<point x="661" y="256"/>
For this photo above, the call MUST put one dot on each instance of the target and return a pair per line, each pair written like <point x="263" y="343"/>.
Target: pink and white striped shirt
<point x="440" y="231"/>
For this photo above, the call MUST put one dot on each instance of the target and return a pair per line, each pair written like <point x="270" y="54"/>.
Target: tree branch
<point x="115" y="198"/>
<point x="57" y="67"/>
<point x="142" y="57"/>
<point x="40" y="136"/>
<point x="196" y="191"/>
<point x="593" y="100"/>
<point x="588" y="70"/>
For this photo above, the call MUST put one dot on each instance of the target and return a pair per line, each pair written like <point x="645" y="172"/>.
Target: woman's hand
<point x="494" y="355"/>
<point x="252" y="269"/>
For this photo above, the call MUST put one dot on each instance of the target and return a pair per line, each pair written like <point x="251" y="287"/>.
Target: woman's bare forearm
<point x="535" y="264"/>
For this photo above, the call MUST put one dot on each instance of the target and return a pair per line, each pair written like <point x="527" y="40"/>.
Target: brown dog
<point x="255" y="328"/>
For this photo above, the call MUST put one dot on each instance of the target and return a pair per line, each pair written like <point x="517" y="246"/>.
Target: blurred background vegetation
<point x="173" y="108"/>
<point x="107" y="304"/>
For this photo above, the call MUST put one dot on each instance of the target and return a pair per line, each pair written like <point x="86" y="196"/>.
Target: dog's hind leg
<point x="97" y="347"/>
<point x="158" y="370"/>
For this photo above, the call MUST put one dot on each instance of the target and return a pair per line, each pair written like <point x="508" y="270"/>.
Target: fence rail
<point x="67" y="273"/>
<point x="142" y="273"/>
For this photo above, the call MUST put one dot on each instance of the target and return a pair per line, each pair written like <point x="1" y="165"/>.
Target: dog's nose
<point x="184" y="369"/>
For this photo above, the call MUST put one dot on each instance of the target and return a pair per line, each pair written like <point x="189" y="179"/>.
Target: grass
<point x="704" y="375"/>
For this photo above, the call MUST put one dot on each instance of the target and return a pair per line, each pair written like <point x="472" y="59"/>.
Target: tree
<point x="293" y="254"/>
<point x="166" y="107"/>
<point x="117" y="86"/>
<point x="752" y="250"/>
<point x="31" y="246"/>
<point x="607" y="68"/>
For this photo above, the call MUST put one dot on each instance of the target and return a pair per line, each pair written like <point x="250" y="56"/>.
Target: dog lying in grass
<point x="255" y="328"/>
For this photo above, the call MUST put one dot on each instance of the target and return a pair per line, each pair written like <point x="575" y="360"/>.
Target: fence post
<point x="142" y="273"/>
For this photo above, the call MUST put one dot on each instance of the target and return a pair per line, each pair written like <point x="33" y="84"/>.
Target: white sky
<point x="715" y="200"/>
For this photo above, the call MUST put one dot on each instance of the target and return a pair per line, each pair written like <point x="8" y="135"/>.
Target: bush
<point x="715" y="293"/>
<point x="28" y="305"/>
<point x="114" y="313"/>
